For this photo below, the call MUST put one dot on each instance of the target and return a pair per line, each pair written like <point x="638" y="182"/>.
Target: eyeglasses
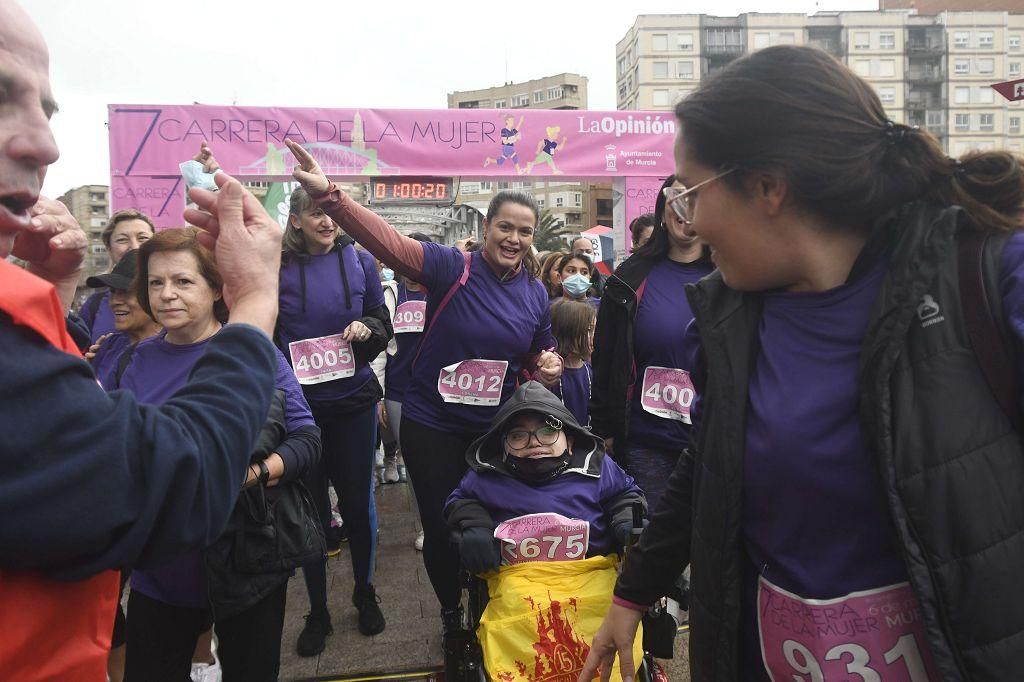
<point x="683" y="201"/>
<point x="517" y="439"/>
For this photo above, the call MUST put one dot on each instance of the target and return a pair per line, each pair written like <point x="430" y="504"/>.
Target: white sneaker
<point x="390" y="474"/>
<point x="418" y="542"/>
<point x="206" y="672"/>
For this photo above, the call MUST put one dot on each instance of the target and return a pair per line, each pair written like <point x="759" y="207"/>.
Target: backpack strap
<point x="459" y="283"/>
<point x="979" y="254"/>
<point x="122" y="364"/>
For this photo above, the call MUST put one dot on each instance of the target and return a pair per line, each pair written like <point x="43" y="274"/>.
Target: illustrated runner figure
<point x="546" y="151"/>
<point x="509" y="136"/>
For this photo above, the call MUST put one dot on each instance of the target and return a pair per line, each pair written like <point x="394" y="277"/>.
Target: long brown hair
<point x="178" y="239"/>
<point x="570" y="325"/>
<point x="798" y="112"/>
<point x="549" y="261"/>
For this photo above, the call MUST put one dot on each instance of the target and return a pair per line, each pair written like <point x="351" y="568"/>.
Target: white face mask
<point x="194" y="175"/>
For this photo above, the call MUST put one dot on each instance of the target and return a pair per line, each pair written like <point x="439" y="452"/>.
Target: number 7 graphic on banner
<point x="156" y="117"/>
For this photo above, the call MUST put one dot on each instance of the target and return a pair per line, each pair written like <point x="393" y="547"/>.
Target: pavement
<point x="410" y="646"/>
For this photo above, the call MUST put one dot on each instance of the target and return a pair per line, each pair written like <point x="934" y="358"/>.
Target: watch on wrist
<point x="264" y="472"/>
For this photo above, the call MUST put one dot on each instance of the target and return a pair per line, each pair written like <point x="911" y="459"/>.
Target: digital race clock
<point x="409" y="190"/>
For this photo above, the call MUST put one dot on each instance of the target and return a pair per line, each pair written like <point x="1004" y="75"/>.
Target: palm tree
<point x="549" y="233"/>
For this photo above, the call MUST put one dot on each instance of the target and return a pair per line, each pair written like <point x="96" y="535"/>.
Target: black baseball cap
<point x="120" y="277"/>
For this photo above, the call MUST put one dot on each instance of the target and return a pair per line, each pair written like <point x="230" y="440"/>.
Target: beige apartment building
<point x="90" y="205"/>
<point x="579" y="205"/>
<point x="931" y="70"/>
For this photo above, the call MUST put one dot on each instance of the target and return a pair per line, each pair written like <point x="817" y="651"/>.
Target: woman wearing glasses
<point x="642" y="393"/>
<point x="852" y="505"/>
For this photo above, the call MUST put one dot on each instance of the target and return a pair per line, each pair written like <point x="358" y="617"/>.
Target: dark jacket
<point x="115" y="483"/>
<point x="613" y="360"/>
<point x="950" y="465"/>
<point x="232" y="590"/>
<point x="592" y="487"/>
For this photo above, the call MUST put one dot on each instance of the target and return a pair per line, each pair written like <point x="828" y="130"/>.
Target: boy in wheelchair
<point x="543" y="514"/>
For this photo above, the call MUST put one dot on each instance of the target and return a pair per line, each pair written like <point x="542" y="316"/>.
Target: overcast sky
<point x="396" y="54"/>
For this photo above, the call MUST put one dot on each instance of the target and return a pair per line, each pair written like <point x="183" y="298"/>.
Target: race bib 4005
<point x="872" y="636"/>
<point x="326" y="358"/>
<point x="473" y="382"/>
<point x="542" y="537"/>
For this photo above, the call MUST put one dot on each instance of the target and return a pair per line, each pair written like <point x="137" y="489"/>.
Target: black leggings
<point x="347" y="460"/>
<point x="436" y="461"/>
<point x="161" y="638"/>
<point x="249" y="643"/>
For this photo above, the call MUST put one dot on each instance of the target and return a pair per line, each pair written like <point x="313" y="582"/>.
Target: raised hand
<point x="205" y="157"/>
<point x="54" y="247"/>
<point x="308" y="173"/>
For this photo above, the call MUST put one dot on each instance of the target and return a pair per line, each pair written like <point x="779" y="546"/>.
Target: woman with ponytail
<point x="851" y="499"/>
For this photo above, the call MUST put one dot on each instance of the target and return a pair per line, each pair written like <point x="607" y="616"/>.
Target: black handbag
<point x="271" y="530"/>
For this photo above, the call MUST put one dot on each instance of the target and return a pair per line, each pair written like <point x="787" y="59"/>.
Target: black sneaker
<point x="452" y="620"/>
<point x="371" y="620"/>
<point x="314" y="633"/>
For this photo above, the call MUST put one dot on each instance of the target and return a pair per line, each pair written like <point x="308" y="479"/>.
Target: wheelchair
<point x="463" y="654"/>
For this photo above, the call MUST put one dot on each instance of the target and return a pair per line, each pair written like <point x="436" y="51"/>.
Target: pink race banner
<point x="147" y="142"/>
<point x="641" y="194"/>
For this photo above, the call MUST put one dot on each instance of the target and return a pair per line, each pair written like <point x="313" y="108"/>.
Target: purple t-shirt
<point x="485" y="319"/>
<point x="805" y="450"/>
<point x="574" y="391"/>
<point x="398" y="371"/>
<point x="103" y="322"/>
<point x="658" y="332"/>
<point x="570" y="494"/>
<point x="322" y="307"/>
<point x="104" y="365"/>
<point x="156" y="371"/>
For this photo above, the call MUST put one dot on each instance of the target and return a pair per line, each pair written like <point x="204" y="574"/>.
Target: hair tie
<point x="896" y="132"/>
<point x="959" y="170"/>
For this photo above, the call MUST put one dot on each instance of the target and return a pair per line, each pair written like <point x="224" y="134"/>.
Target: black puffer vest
<point x="950" y="463"/>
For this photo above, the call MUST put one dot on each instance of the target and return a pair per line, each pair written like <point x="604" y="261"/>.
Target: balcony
<point x="830" y="45"/>
<point x="926" y="48"/>
<point x="724" y="50"/>
<point x="933" y="74"/>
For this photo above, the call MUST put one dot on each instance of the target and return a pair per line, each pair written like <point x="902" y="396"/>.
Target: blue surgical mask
<point x="194" y="175"/>
<point x="387" y="274"/>
<point x="576" y="285"/>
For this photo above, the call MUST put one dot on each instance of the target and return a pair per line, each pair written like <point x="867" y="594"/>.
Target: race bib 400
<point x="542" y="537"/>
<point x="326" y="358"/>
<point x="872" y="636"/>
<point x="667" y="393"/>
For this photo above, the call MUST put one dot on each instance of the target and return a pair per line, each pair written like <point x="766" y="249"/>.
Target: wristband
<point x="264" y="473"/>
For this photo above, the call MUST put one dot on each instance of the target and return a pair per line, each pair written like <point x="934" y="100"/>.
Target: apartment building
<point x="90" y="205"/>
<point x="932" y="70"/>
<point x="579" y="205"/>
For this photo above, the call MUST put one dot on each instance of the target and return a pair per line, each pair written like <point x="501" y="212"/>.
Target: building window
<point x="887" y="95"/>
<point x="962" y="67"/>
<point x="684" y="70"/>
<point x="540" y="202"/>
<point x="1014" y="68"/>
<point x="761" y="40"/>
<point x="786" y="38"/>
<point x="986" y="95"/>
<point x="962" y="122"/>
<point x="521" y="101"/>
<point x="660" y="98"/>
<point x="660" y="42"/>
<point x="622" y="92"/>
<point x="1015" y="124"/>
<point x="469" y="105"/>
<point x="577" y="198"/>
<point x="485" y="186"/>
<point x="987" y="65"/>
<point x="861" y="40"/>
<point x="862" y="67"/>
<point x="887" y="68"/>
<point x="934" y="119"/>
<point x="887" y="41"/>
<point x="555" y="93"/>
<point x="661" y="69"/>
<point x="727" y="37"/>
<point x="962" y="39"/>
<point x="1014" y="43"/>
<point x="499" y="104"/>
<point x="559" y="201"/>
<point x="685" y="42"/>
<point x="985" y="39"/>
<point x="622" y="65"/>
<point x="97" y="196"/>
<point x="538" y="96"/>
<point x="962" y="95"/>
<point x="987" y="122"/>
